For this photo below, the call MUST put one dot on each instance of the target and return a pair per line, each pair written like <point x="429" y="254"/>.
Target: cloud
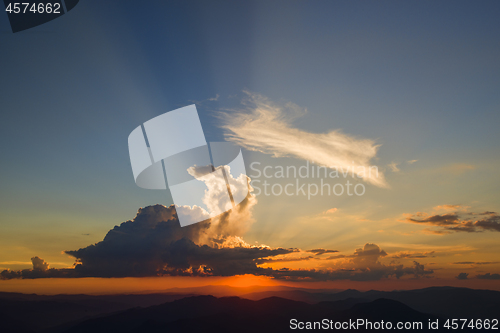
<point x="234" y="223"/>
<point x="154" y="244"/>
<point x="394" y="167"/>
<point x="365" y="265"/>
<point x="456" y="219"/>
<point x="488" y="276"/>
<point x="204" y="101"/>
<point x="462" y="276"/>
<point x="411" y="161"/>
<point x="451" y="207"/>
<point x="39" y="264"/>
<point x="476" y="263"/>
<point x="40" y="269"/>
<point x="414" y="255"/>
<point x="274" y="260"/>
<point x="321" y="251"/>
<point x="266" y="127"/>
<point x="459" y="168"/>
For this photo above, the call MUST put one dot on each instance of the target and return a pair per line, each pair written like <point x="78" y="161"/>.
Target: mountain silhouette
<point x="171" y="312"/>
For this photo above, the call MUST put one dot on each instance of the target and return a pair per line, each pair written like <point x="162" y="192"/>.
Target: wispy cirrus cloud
<point x="322" y="251"/>
<point x="414" y="255"/>
<point x="266" y="126"/>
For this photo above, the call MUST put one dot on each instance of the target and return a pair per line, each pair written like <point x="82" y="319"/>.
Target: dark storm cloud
<point x="459" y="221"/>
<point x="154" y="244"/>
<point x="360" y="274"/>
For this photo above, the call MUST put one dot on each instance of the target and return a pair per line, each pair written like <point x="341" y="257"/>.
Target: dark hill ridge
<point x="233" y="314"/>
<point x="442" y="301"/>
<point x="154" y="312"/>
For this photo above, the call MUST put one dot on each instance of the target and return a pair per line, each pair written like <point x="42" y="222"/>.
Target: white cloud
<point x="230" y="221"/>
<point x="266" y="127"/>
<point x="216" y="98"/>
<point x="394" y="167"/>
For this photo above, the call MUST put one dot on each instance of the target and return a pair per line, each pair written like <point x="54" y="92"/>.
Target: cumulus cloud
<point x="40" y="269"/>
<point x="456" y="218"/>
<point x="39" y="264"/>
<point x="488" y="276"/>
<point x="286" y="259"/>
<point x="475" y="263"/>
<point x="231" y="220"/>
<point x="462" y="276"/>
<point x="266" y="127"/>
<point x="154" y="244"/>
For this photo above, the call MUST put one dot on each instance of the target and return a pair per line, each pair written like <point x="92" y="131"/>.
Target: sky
<point x="409" y="87"/>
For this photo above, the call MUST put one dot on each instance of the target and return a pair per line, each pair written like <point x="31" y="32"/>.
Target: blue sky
<point x="418" y="77"/>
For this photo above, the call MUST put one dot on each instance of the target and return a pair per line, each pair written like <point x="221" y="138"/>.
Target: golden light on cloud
<point x="266" y="127"/>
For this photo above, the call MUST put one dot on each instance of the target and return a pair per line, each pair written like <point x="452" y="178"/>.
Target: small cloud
<point x="216" y="98"/>
<point x="456" y="218"/>
<point x="451" y="208"/>
<point x="411" y="161"/>
<point x="414" y="255"/>
<point x="274" y="260"/>
<point x="394" y="167"/>
<point x="267" y="127"/>
<point x="462" y="276"/>
<point x="39" y="264"/>
<point x="322" y="251"/>
<point x="488" y="276"/>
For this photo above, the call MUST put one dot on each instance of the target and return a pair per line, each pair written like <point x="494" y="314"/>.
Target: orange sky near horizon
<point x="242" y="284"/>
